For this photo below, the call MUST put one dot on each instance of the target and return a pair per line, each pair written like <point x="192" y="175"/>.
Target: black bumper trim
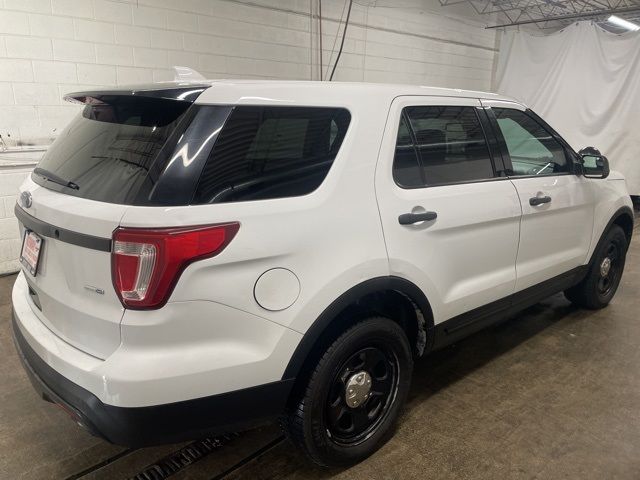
<point x="158" y="424"/>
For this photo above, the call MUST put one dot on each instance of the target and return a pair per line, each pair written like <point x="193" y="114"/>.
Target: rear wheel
<point x="601" y="283"/>
<point x="354" y="395"/>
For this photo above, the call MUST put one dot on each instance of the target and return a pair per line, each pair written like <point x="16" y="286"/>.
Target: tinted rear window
<point x="272" y="152"/>
<point x="108" y="150"/>
<point x="440" y="146"/>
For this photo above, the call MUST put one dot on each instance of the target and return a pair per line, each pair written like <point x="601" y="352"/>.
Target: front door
<point x="557" y="205"/>
<point x="450" y="218"/>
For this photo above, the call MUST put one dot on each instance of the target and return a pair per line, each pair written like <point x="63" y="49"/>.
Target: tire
<point x="598" y="288"/>
<point x="322" y="424"/>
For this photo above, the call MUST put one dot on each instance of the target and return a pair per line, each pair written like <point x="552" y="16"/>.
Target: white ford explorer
<point x="200" y="257"/>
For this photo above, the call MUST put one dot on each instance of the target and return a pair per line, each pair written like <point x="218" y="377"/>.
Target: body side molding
<point x="463" y="325"/>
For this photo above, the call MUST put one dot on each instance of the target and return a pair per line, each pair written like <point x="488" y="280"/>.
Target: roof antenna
<point x="181" y="74"/>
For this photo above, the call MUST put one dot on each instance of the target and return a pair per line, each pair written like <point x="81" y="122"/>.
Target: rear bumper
<point x="152" y="425"/>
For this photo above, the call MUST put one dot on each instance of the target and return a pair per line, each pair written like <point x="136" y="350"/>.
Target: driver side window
<point x="532" y="149"/>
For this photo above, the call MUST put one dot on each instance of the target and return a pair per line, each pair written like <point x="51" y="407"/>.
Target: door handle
<point x="411" y="218"/>
<point x="535" y="201"/>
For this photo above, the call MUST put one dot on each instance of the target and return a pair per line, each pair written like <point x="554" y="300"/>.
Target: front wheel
<point x="354" y="395"/>
<point x="601" y="283"/>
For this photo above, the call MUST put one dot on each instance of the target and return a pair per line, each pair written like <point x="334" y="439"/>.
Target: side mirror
<point x="594" y="164"/>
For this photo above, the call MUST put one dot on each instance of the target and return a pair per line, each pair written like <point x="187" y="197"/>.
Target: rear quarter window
<point x="272" y="152"/>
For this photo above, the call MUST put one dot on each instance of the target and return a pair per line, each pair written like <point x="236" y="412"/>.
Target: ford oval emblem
<point x="25" y="199"/>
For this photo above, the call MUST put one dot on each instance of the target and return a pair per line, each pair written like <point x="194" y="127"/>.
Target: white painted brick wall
<point x="51" y="47"/>
<point x="10" y="180"/>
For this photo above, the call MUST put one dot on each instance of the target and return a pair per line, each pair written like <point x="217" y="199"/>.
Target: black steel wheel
<point x="610" y="269"/>
<point x="353" y="396"/>
<point x="605" y="272"/>
<point x="361" y="394"/>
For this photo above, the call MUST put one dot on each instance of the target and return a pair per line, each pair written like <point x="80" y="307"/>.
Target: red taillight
<point x="146" y="263"/>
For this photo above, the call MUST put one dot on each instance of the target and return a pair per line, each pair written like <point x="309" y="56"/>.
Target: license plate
<point x="31" y="246"/>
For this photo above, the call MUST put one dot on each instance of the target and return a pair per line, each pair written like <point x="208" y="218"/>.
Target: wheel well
<point x="625" y="221"/>
<point x="389" y="303"/>
<point x="411" y="313"/>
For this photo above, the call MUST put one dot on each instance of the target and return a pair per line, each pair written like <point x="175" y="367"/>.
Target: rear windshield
<point x="272" y="152"/>
<point x="108" y="149"/>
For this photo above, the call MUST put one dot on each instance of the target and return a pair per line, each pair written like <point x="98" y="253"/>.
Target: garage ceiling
<point x="553" y="14"/>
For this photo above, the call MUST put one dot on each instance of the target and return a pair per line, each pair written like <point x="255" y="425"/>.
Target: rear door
<point x="557" y="205"/>
<point x="450" y="217"/>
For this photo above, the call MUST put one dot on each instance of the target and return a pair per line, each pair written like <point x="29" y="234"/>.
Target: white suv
<point x="200" y="257"/>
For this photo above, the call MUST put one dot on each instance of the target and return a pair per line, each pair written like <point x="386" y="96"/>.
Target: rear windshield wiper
<point x="52" y="177"/>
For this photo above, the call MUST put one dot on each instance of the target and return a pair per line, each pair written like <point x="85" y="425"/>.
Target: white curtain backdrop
<point x="585" y="82"/>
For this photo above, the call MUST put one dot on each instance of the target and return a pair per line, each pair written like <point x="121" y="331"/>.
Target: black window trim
<point x="569" y="152"/>
<point x="499" y="167"/>
<point x="414" y="145"/>
<point x="492" y="147"/>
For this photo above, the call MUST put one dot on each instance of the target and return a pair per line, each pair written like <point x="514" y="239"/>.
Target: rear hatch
<point x="108" y="158"/>
<point x="71" y="290"/>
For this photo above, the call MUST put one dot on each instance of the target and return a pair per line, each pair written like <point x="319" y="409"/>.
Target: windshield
<point x="107" y="151"/>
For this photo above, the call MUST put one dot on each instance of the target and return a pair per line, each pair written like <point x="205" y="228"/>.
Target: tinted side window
<point x="450" y="145"/>
<point x="272" y="152"/>
<point x="532" y="149"/>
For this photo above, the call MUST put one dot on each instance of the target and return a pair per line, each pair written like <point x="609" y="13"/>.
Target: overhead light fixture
<point x="621" y="22"/>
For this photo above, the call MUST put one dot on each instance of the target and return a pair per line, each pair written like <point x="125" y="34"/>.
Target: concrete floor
<point x="553" y="393"/>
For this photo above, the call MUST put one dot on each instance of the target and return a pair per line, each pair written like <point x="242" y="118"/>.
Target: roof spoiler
<point x="187" y="86"/>
<point x="181" y="93"/>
